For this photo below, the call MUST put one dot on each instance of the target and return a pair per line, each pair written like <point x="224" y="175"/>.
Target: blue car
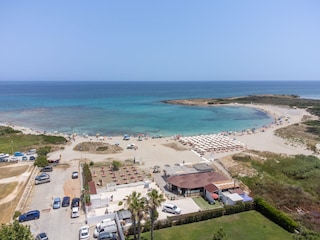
<point x="31" y="215"/>
<point x="56" y="203"/>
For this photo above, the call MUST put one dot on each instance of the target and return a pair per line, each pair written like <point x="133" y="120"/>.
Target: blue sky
<point x="160" y="40"/>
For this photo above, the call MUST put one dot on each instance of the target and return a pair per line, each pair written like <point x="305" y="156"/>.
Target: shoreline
<point x="153" y="152"/>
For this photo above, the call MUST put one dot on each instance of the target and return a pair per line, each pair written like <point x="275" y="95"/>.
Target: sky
<point x="169" y="40"/>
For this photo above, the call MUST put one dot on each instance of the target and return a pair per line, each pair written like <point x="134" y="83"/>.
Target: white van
<point x="107" y="225"/>
<point x="171" y="208"/>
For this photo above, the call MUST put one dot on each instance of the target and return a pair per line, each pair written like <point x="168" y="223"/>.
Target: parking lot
<point x="57" y="223"/>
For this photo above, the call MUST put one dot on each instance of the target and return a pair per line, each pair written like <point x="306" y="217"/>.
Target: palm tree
<point x="154" y="201"/>
<point x="136" y="205"/>
<point x="141" y="210"/>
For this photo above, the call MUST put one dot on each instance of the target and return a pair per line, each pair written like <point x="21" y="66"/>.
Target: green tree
<point x="15" y="231"/>
<point x="41" y="161"/>
<point x="154" y="201"/>
<point x="43" y="151"/>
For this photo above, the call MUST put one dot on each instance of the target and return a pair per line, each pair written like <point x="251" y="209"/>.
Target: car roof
<point x="43" y="234"/>
<point x="57" y="199"/>
<point x="33" y="211"/>
<point x="85" y="228"/>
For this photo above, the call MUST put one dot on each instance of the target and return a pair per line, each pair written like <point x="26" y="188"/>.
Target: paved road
<point x="56" y="223"/>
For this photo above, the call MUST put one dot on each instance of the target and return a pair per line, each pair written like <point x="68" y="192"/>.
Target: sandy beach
<point x="151" y="152"/>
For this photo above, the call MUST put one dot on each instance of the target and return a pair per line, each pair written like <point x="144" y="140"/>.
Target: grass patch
<point x="6" y="172"/>
<point x="12" y="140"/>
<point x="7" y="188"/>
<point x="246" y="225"/>
<point x="204" y="205"/>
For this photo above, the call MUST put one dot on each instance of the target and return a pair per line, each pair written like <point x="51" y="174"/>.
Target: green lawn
<point x="204" y="205"/>
<point x="245" y="225"/>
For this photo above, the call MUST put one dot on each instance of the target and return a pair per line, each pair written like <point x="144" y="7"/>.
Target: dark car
<point x="65" y="201"/>
<point x="32" y="158"/>
<point x="42" y="236"/>
<point x="31" y="215"/>
<point x="75" y="202"/>
<point x="47" y="169"/>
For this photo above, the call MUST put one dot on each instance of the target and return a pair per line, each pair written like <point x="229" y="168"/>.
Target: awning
<point x="215" y="196"/>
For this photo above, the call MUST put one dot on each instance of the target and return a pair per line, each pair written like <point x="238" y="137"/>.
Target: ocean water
<point x="117" y="108"/>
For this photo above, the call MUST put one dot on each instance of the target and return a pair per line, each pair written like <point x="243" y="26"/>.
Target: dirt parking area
<point x="187" y="205"/>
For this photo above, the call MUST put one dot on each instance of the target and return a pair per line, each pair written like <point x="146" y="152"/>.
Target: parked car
<point x="107" y="235"/>
<point x="42" y="178"/>
<point x="65" y="201"/>
<point x="84" y="233"/>
<point x="75" y="202"/>
<point x="31" y="215"/>
<point x="75" y="175"/>
<point x="75" y="212"/>
<point x="56" y="203"/>
<point x="13" y="159"/>
<point x="47" y="169"/>
<point x="42" y="236"/>
<point x="24" y="158"/>
<point x="32" y="158"/>
<point x="171" y="208"/>
<point x="53" y="161"/>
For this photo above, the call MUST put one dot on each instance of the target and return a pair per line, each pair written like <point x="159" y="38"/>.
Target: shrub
<point x="87" y="177"/>
<point x="116" y="165"/>
<point x="275" y="215"/>
<point x="16" y="214"/>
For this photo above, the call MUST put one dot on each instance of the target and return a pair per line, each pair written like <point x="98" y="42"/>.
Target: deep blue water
<point x="116" y="108"/>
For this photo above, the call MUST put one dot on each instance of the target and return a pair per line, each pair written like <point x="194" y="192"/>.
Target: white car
<point x="75" y="212"/>
<point x="75" y="175"/>
<point x="84" y="233"/>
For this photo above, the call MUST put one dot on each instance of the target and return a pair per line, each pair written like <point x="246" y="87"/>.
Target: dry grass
<point x="298" y="134"/>
<point x="7" y="171"/>
<point x="98" y="148"/>
<point x="6" y="189"/>
<point x="12" y="170"/>
<point x="7" y="209"/>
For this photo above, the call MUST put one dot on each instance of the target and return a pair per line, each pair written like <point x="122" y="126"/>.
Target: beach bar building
<point x="193" y="184"/>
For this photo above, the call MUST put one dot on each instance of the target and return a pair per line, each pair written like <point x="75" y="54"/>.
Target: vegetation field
<point x="291" y="184"/>
<point x="13" y="141"/>
<point x="245" y="225"/>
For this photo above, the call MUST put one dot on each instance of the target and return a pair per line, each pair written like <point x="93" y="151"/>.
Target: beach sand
<point x="153" y="152"/>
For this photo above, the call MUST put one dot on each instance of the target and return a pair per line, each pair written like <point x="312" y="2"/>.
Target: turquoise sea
<point x="117" y="108"/>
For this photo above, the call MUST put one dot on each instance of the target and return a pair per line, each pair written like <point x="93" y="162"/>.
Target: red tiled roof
<point x="211" y="188"/>
<point x="195" y="180"/>
<point x="92" y="187"/>
<point x="237" y="190"/>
